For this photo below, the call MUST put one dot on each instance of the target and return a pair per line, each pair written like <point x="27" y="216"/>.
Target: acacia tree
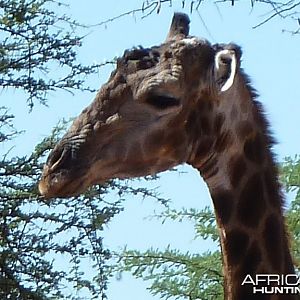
<point x="291" y="180"/>
<point x="37" y="235"/>
<point x="284" y="10"/>
<point x="31" y="42"/>
<point x="33" y="233"/>
<point x="45" y="244"/>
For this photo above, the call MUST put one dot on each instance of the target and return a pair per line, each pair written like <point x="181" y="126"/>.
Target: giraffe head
<point x="142" y="120"/>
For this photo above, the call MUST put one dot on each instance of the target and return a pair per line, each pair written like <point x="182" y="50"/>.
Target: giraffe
<point x="186" y="101"/>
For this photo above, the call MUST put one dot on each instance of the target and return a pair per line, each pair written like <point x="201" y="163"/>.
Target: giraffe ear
<point x="226" y="64"/>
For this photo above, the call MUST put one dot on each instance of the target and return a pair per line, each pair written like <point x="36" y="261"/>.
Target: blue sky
<point x="270" y="57"/>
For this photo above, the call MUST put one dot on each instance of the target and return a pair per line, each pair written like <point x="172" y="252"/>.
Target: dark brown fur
<point x="236" y="244"/>
<point x="237" y="169"/>
<point x="252" y="205"/>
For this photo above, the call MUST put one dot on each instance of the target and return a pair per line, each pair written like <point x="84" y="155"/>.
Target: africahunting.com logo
<point x="273" y="283"/>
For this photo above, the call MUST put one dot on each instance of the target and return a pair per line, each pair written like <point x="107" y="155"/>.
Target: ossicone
<point x="180" y="26"/>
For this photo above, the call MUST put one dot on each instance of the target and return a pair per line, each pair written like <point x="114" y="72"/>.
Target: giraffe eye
<point x="162" y="101"/>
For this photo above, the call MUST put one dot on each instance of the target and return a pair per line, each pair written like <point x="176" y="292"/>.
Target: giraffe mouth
<point x="62" y="183"/>
<point x="62" y="173"/>
<point x="66" y="174"/>
<point x="49" y="188"/>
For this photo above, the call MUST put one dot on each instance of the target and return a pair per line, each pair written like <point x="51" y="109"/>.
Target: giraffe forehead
<point x="140" y="58"/>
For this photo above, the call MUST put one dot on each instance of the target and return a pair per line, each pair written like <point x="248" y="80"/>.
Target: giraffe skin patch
<point x="252" y="206"/>
<point x="273" y="241"/>
<point x="192" y="125"/>
<point x="204" y="125"/>
<point x="176" y="142"/>
<point x="272" y="188"/>
<point x="203" y="148"/>
<point x="244" y="128"/>
<point x="250" y="266"/>
<point x="236" y="244"/>
<point x="253" y="148"/>
<point x="234" y="112"/>
<point x="153" y="140"/>
<point x="176" y="139"/>
<point x="252" y="260"/>
<point x="237" y="168"/>
<point x="224" y="141"/>
<point x="223" y="204"/>
<point x="219" y="121"/>
<point x="205" y="104"/>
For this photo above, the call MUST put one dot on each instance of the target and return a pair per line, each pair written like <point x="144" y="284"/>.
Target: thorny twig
<point x="282" y="9"/>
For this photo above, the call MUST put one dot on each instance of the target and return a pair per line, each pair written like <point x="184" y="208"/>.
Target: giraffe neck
<point x="240" y="172"/>
<point x="252" y="230"/>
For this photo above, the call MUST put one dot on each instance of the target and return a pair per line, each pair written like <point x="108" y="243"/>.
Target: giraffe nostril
<point x="58" y="157"/>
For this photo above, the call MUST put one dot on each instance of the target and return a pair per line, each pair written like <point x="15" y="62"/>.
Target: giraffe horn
<point x="180" y="25"/>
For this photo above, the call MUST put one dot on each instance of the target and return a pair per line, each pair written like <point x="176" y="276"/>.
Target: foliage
<point x="285" y="10"/>
<point x="35" y="44"/>
<point x="34" y="40"/>
<point x="291" y="180"/>
<point x="35" y="234"/>
<point x="47" y="246"/>
<point x="177" y="275"/>
<point x="174" y="274"/>
<point x="204" y="220"/>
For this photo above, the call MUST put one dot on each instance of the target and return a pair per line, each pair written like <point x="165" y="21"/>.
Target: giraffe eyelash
<point x="162" y="101"/>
